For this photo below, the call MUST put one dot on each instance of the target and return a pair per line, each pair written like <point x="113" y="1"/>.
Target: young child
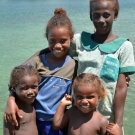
<point x="82" y="119"/>
<point x="24" y="82"/>
<point x="105" y="54"/>
<point x="56" y="69"/>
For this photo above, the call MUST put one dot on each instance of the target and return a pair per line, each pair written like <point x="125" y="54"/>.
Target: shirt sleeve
<point x="126" y="58"/>
<point x="73" y="45"/>
<point x="34" y="62"/>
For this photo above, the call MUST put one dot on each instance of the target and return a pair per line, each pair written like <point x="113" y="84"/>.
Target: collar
<point x="110" y="47"/>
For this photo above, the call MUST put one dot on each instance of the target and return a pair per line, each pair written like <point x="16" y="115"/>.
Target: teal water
<point x="22" y="24"/>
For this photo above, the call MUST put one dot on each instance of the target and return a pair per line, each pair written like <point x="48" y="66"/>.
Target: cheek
<point x="77" y="102"/>
<point x="20" y="93"/>
<point x="36" y="92"/>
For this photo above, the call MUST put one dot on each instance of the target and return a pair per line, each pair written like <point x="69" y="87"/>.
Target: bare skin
<point x="26" y="92"/>
<point x="26" y="125"/>
<point x="79" y="123"/>
<point x="113" y="129"/>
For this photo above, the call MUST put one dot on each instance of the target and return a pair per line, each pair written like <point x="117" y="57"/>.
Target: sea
<point x="22" y="30"/>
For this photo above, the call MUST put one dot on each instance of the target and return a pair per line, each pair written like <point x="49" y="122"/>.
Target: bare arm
<point x="119" y="99"/>
<point x="104" y="124"/>
<point x="113" y="129"/>
<point x="8" y="129"/>
<point x="61" y="119"/>
<point x="11" y="110"/>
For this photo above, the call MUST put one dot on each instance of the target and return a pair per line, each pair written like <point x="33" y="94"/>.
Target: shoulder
<point x="72" y="111"/>
<point x="71" y="60"/>
<point x="35" y="59"/>
<point x="127" y="44"/>
<point x="101" y="118"/>
<point x="76" y="36"/>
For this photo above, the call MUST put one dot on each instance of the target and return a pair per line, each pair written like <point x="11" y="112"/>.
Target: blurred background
<point x="22" y="28"/>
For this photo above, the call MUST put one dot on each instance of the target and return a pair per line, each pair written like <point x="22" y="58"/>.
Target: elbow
<point x="55" y="126"/>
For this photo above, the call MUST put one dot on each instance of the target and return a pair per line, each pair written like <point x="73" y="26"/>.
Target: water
<point x="22" y="24"/>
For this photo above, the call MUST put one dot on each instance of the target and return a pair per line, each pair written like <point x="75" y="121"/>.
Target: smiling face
<point x="27" y="88"/>
<point x="103" y="15"/>
<point x="86" y="98"/>
<point x="59" y="41"/>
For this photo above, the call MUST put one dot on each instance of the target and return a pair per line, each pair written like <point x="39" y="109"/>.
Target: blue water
<point x="22" y="27"/>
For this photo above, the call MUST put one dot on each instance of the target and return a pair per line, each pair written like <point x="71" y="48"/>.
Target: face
<point x="27" y="88"/>
<point x="103" y="16"/>
<point x="59" y="41"/>
<point x="86" y="98"/>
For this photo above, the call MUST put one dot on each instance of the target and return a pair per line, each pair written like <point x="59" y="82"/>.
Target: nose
<point x="85" y="101"/>
<point x="101" y="19"/>
<point x="30" y="92"/>
<point x="58" y="45"/>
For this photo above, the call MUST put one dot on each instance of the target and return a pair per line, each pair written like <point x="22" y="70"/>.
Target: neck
<point x="89" y="114"/>
<point x="22" y="105"/>
<point x="54" y="61"/>
<point x="104" y="38"/>
<point x="60" y="58"/>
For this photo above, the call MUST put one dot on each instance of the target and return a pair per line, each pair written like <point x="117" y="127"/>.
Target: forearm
<point x="119" y="99"/>
<point x="58" y="121"/>
<point x="119" y="102"/>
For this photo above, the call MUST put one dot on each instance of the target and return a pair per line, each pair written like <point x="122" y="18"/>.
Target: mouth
<point x="85" y="106"/>
<point x="31" y="97"/>
<point x="58" y="51"/>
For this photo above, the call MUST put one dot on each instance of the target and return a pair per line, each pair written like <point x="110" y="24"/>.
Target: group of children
<point x="97" y="106"/>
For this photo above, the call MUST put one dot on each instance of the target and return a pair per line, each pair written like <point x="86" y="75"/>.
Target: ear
<point x="46" y="35"/>
<point x="115" y="16"/>
<point x="13" y="89"/>
<point x="98" y="98"/>
<point x="90" y="16"/>
<point x="71" y="38"/>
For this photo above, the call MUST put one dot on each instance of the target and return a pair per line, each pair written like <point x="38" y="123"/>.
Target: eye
<point x="79" y="97"/>
<point x="96" y="15"/>
<point x="52" y="41"/>
<point x="63" y="41"/>
<point x="34" y="87"/>
<point x="106" y="15"/>
<point x="90" y="97"/>
<point x="24" y="88"/>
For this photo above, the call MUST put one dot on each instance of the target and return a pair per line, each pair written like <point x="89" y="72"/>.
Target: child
<point x="24" y="82"/>
<point x="82" y="119"/>
<point x="105" y="54"/>
<point x="56" y="69"/>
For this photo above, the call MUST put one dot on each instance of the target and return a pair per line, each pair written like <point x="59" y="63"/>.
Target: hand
<point x="127" y="80"/>
<point x="113" y="129"/>
<point x="67" y="100"/>
<point x="11" y="111"/>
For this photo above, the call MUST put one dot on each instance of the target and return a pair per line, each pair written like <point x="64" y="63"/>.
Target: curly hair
<point x="60" y="19"/>
<point x="86" y="78"/>
<point x="114" y="2"/>
<point x="20" y="71"/>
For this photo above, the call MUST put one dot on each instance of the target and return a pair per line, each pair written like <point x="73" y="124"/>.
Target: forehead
<point x="102" y="5"/>
<point x="27" y="79"/>
<point x="58" y="31"/>
<point x="85" y="89"/>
